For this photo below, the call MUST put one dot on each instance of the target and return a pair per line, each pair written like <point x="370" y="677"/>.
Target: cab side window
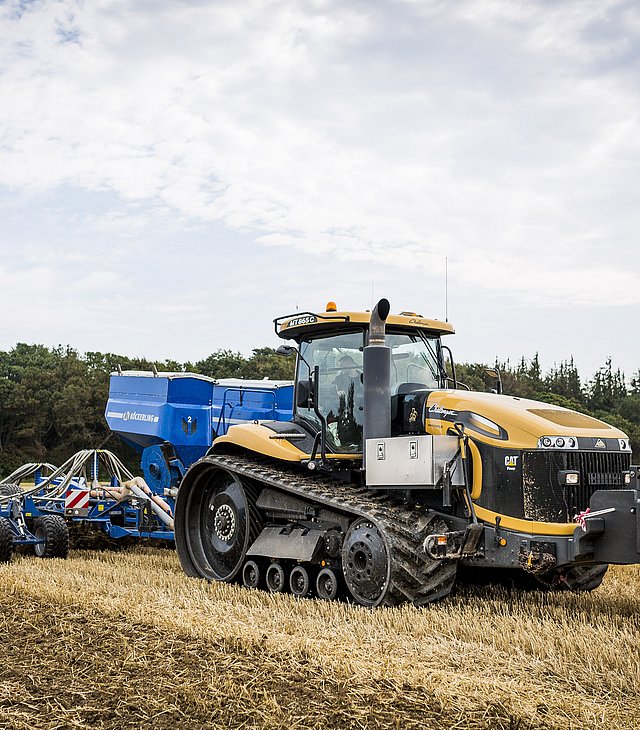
<point x="340" y="391"/>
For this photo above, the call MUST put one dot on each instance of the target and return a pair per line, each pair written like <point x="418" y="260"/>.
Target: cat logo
<point x="511" y="462"/>
<point x="600" y="444"/>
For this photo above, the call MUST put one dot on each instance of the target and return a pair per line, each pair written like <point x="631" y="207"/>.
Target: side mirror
<point x="304" y="394"/>
<point x="494" y="373"/>
<point x="453" y="378"/>
<point x="286" y="350"/>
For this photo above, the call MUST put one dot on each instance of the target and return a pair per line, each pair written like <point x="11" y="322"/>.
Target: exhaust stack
<point x="376" y="365"/>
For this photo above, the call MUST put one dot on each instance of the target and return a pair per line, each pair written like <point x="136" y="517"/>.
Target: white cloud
<point x="502" y="135"/>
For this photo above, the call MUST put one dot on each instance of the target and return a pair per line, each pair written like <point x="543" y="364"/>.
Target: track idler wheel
<point x="215" y="522"/>
<point x="275" y="578"/>
<point x="365" y="561"/>
<point x="54" y="533"/>
<point x="251" y="574"/>
<point x="327" y="584"/>
<point x="6" y="540"/>
<point x="300" y="582"/>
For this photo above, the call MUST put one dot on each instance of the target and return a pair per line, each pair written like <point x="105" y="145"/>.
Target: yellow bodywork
<point x="525" y="421"/>
<point x="298" y="325"/>
<point x="262" y="440"/>
<point x="529" y="527"/>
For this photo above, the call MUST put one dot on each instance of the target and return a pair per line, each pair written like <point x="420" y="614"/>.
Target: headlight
<point x="569" y="478"/>
<point x="558" y="442"/>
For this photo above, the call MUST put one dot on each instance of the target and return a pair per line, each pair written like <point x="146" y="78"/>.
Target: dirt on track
<point x="125" y="640"/>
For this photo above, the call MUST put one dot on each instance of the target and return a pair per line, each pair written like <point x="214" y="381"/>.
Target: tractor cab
<point x="330" y="385"/>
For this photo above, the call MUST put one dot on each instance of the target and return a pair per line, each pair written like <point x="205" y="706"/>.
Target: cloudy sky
<point x="173" y="175"/>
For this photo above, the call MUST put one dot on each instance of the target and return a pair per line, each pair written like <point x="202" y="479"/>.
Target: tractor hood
<point x="517" y="422"/>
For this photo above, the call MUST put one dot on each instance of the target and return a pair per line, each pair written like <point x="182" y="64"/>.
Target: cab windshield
<point x="340" y="389"/>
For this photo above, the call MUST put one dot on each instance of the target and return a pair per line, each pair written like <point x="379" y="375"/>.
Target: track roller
<point x="275" y="578"/>
<point x="300" y="582"/>
<point x="327" y="584"/>
<point x="251" y="574"/>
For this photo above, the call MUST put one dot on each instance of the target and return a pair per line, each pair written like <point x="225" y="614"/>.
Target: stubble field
<point x="125" y="640"/>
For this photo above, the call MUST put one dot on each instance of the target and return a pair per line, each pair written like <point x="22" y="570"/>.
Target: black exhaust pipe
<point x="376" y="367"/>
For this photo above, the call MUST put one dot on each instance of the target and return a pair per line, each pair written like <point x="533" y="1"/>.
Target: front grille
<point x="546" y="499"/>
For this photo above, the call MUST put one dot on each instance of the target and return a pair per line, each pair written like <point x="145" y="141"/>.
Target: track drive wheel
<point x="215" y="522"/>
<point x="366" y="564"/>
<point x="6" y="541"/>
<point x="55" y="533"/>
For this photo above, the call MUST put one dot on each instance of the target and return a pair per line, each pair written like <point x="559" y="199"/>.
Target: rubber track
<point x="414" y="577"/>
<point x="579" y="578"/>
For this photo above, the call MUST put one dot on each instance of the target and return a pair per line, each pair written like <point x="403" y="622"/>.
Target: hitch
<point x="609" y="532"/>
<point x="536" y="558"/>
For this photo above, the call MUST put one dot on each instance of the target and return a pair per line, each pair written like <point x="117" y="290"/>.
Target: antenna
<point x="446" y="289"/>
<point x="372" y="298"/>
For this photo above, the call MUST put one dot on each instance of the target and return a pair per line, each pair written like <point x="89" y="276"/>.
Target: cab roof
<point x="294" y="326"/>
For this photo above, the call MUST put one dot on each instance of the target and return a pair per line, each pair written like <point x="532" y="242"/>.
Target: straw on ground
<point x="126" y="640"/>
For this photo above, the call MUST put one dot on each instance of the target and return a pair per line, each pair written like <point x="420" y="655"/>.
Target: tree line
<point x="52" y="400"/>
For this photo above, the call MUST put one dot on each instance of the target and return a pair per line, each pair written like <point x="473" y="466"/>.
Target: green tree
<point x="564" y="380"/>
<point x="222" y="364"/>
<point x="265" y="363"/>
<point x="606" y="388"/>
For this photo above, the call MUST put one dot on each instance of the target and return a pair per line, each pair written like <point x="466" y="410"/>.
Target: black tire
<point x="10" y="490"/>
<point x="6" y="541"/>
<point x="577" y="579"/>
<point x="275" y="578"/>
<point x="251" y="575"/>
<point x="327" y="585"/>
<point x="215" y="522"/>
<point x="300" y="582"/>
<point x="55" y="533"/>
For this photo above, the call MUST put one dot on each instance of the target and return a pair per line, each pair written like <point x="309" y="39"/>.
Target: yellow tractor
<point x="391" y="478"/>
